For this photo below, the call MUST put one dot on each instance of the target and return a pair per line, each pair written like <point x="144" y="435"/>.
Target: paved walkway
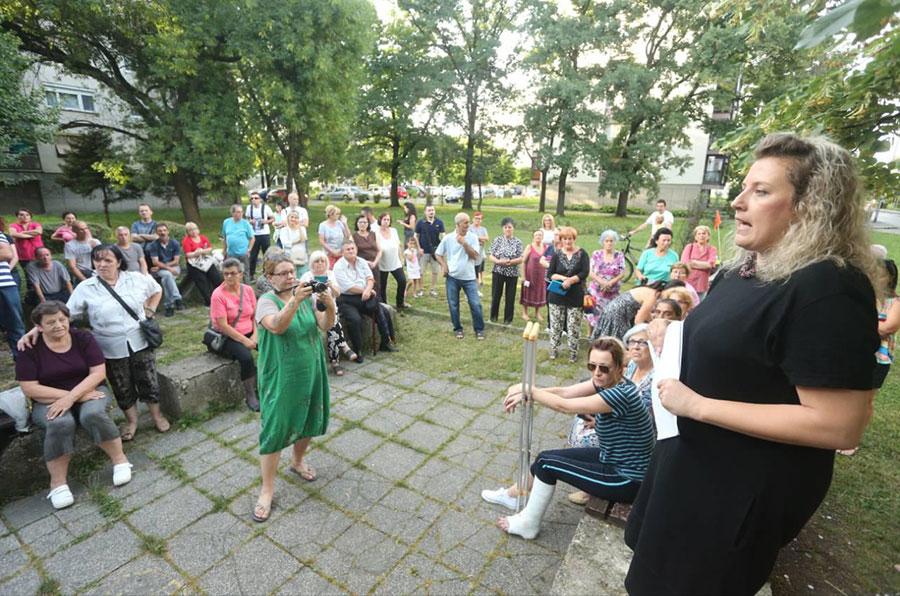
<point x="396" y="508"/>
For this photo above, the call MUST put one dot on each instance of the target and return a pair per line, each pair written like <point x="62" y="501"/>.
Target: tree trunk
<point x="470" y="154"/>
<point x="186" y="196"/>
<point x="479" y="197"/>
<point x="622" y="205"/>
<point x="634" y="127"/>
<point x="542" y="205"/>
<point x="561" y="195"/>
<point x="395" y="171"/>
<point x="105" y="205"/>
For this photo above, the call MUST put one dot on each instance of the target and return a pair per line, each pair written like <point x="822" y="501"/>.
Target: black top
<point x="580" y="265"/>
<point x="725" y="501"/>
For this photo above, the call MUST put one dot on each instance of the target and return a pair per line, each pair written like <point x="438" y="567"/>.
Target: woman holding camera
<point x="293" y="376"/>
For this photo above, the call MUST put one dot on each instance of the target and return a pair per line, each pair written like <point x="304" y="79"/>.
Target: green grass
<point x="153" y="545"/>
<point x="109" y="506"/>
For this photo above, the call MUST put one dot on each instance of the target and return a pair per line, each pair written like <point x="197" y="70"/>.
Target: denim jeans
<point x="11" y="316"/>
<point x="170" y="286"/>
<point x="470" y="287"/>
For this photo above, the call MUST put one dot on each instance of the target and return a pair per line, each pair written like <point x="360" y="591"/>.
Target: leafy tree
<point x="405" y="92"/>
<point x="300" y="68"/>
<point x="165" y="60"/>
<point x="440" y="160"/>
<point x="23" y="119"/>
<point x="467" y="34"/>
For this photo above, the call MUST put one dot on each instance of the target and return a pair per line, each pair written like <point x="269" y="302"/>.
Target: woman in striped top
<point x="614" y="470"/>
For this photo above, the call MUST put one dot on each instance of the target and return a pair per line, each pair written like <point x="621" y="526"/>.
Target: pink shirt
<point x="225" y="304"/>
<point x="699" y="278"/>
<point x="27" y="246"/>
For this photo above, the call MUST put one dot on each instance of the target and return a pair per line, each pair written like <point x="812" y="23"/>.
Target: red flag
<point x="717" y="221"/>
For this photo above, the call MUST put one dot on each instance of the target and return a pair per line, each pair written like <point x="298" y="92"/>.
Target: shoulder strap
<point x="240" y="307"/>
<point x="118" y="298"/>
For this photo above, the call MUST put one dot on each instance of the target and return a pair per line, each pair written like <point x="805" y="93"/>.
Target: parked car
<point x="455" y="195"/>
<point x="344" y="193"/>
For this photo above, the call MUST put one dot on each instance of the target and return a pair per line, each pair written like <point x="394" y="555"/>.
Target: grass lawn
<point x="850" y="546"/>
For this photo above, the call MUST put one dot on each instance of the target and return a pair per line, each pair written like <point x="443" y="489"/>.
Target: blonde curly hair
<point x="829" y="215"/>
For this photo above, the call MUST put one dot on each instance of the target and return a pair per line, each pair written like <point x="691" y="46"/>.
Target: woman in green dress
<point x="292" y="373"/>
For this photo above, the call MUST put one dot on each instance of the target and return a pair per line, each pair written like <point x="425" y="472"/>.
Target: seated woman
<point x="61" y="374"/>
<point x="231" y="313"/>
<point x="682" y="296"/>
<point x="627" y="309"/>
<point x="614" y="470"/>
<point x="656" y="261"/>
<point x="681" y="272"/>
<point x="667" y="309"/>
<point x="336" y="343"/>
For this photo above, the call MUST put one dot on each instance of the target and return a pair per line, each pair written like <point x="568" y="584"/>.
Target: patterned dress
<point x="607" y="271"/>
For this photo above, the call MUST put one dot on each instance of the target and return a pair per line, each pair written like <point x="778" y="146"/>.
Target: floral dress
<point x="606" y="271"/>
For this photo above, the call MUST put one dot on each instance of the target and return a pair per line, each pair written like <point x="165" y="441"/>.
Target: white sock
<point x="527" y="523"/>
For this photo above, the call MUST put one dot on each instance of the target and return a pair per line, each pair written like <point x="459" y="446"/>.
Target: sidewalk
<point x="396" y="508"/>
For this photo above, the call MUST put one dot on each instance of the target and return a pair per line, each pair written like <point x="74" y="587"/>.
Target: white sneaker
<point x="61" y="497"/>
<point x="121" y="474"/>
<point x="499" y="497"/>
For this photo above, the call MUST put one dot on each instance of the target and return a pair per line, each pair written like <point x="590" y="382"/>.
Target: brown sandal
<point x="337" y="369"/>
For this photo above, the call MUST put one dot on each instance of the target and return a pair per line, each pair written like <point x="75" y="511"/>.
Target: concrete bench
<point x="191" y="385"/>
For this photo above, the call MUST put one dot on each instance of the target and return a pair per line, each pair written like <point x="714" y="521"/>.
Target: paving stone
<point x="144" y="575"/>
<point x="454" y="529"/>
<point x="201" y="545"/>
<point x="172" y="442"/>
<point x="388" y="422"/>
<point x="356" y="490"/>
<point x="82" y="517"/>
<point x="203" y="457"/>
<point x="229" y="479"/>
<point x="308" y="581"/>
<point x="471" y="503"/>
<point x="360" y="567"/>
<point x="504" y="465"/>
<point x="466" y="451"/>
<point x="222" y="422"/>
<point x="393" y="461"/>
<point x="439" y="387"/>
<point x="25" y="583"/>
<point x="241" y="431"/>
<point x="476" y="398"/>
<point x="381" y="393"/>
<point x="88" y="561"/>
<point x="427" y="436"/>
<point x="417" y="574"/>
<point x="249" y="444"/>
<point x="19" y="514"/>
<point x="354" y="444"/>
<point x="506" y="576"/>
<point x="441" y="480"/>
<point x="483" y="427"/>
<point x="354" y="407"/>
<point x="12" y="555"/>
<point x="328" y="466"/>
<point x="356" y="384"/>
<point x="307" y="530"/>
<point x="408" y="378"/>
<point x="257" y="567"/>
<point x="376" y="370"/>
<point x="404" y="514"/>
<point x="45" y="536"/>
<point x="287" y="497"/>
<point x="450" y="415"/>
<point x="414" y="404"/>
<point x="170" y="513"/>
<point x="145" y="486"/>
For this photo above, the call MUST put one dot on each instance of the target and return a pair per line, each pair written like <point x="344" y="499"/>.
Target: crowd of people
<point x="760" y="411"/>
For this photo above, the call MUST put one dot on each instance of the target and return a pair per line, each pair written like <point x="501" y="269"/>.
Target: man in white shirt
<point x="260" y="217"/>
<point x="357" y="285"/>
<point x="457" y="254"/>
<point x="661" y="218"/>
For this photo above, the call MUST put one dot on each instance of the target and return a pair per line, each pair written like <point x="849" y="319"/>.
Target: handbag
<point x="215" y="340"/>
<point x="149" y="327"/>
<point x="589" y="303"/>
<point x="555" y="286"/>
<point x="203" y="263"/>
<point x="298" y="254"/>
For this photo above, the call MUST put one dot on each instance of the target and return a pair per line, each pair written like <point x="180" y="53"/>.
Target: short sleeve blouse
<point x="60" y="370"/>
<point x="223" y="303"/>
<point x="506" y="248"/>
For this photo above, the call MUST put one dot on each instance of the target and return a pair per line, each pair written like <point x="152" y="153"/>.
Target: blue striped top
<point x="626" y="434"/>
<point x="6" y="278"/>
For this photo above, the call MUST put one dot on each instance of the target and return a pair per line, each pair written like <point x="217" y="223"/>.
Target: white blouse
<point x="390" y="251"/>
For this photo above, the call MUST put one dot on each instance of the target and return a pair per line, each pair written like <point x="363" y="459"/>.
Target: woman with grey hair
<point x="607" y="271"/>
<point x="201" y="265"/>
<point x="762" y="408"/>
<point x="335" y="343"/>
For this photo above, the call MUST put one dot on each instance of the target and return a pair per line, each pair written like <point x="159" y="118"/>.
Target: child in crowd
<point x="412" y="254"/>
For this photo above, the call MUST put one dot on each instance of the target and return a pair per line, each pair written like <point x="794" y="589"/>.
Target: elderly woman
<point x="613" y="471"/>
<point x="506" y="255"/>
<point x="292" y="238"/>
<point x="534" y="290"/>
<point x="680" y="272"/>
<point x="682" y="296"/>
<point x="61" y="374"/>
<point x="390" y="262"/>
<point x="607" y="271"/>
<point x="201" y="266"/>
<point x="759" y="420"/>
<point x="701" y="256"/>
<point x="332" y="233"/>
<point x="666" y="309"/>
<point x="656" y="262"/>
<point x="335" y="341"/>
<point x="231" y="313"/>
<point x="569" y="267"/>
<point x="293" y="379"/>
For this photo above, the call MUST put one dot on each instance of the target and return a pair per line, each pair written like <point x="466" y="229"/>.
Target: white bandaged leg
<point x="527" y="523"/>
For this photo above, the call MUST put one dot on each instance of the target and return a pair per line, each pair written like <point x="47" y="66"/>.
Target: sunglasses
<point x="601" y="367"/>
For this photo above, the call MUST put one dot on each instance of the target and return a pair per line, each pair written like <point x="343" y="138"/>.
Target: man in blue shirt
<point x="429" y="231"/>
<point x="143" y="231"/>
<point x="237" y="238"/>
<point x="457" y="254"/>
<point x="164" y="254"/>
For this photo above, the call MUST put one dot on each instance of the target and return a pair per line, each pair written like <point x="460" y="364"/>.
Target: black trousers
<point x="400" y="278"/>
<point x="260" y="243"/>
<point x="242" y="354"/>
<point x="352" y="309"/>
<point x="503" y="284"/>
<point x="206" y="281"/>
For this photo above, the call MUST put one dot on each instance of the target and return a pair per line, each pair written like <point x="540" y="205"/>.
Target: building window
<point x="70" y="99"/>
<point x="714" y="173"/>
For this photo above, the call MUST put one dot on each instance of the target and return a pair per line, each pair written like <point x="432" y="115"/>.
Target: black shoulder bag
<point x="149" y="327"/>
<point x="215" y="340"/>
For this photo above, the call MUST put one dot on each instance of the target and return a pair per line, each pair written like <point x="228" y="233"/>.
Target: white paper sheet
<point x="666" y="366"/>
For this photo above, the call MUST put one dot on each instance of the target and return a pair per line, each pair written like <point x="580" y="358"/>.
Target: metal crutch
<point x="530" y="335"/>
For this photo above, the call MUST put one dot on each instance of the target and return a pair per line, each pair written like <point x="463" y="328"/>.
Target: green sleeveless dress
<point x="292" y="380"/>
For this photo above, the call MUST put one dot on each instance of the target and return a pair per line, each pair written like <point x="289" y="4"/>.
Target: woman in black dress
<point x="763" y="407"/>
<point x="569" y="267"/>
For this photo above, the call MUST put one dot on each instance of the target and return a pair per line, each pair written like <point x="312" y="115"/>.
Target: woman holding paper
<point x="762" y="409"/>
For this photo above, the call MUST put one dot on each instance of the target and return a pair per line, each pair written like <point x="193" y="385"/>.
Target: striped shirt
<point x="6" y="278"/>
<point x="626" y="434"/>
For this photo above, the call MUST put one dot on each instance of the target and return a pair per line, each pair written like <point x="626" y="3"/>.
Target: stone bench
<point x="191" y="385"/>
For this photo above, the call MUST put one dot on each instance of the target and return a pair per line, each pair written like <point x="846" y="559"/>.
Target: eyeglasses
<point x="638" y="343"/>
<point x="601" y="367"/>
